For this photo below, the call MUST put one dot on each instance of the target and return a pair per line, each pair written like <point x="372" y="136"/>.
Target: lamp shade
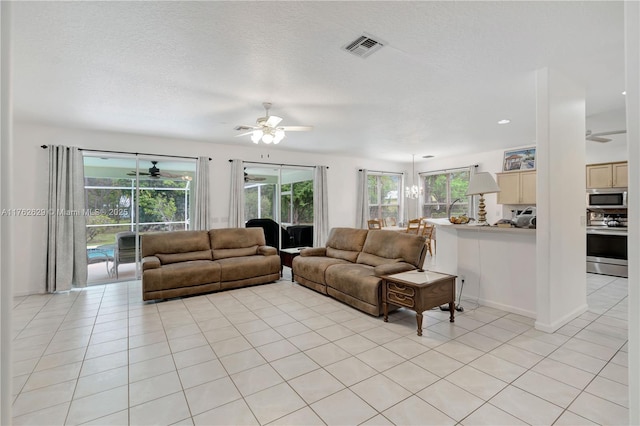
<point x="482" y="183"/>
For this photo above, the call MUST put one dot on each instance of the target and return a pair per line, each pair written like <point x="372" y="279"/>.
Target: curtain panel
<point x="362" y="200"/>
<point x="201" y="214"/>
<point x="66" y="264"/>
<point x="236" y="201"/>
<point x="320" y="207"/>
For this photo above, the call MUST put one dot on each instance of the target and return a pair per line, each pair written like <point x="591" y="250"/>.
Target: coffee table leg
<point x="419" y="321"/>
<point x="451" y="311"/>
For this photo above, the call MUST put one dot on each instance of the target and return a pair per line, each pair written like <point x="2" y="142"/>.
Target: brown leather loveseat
<point x="350" y="265"/>
<point x="183" y="263"/>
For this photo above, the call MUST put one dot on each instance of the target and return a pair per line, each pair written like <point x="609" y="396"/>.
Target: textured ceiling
<point x="448" y="72"/>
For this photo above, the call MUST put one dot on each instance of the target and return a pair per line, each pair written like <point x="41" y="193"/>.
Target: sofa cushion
<point x="167" y="258"/>
<point x="356" y="280"/>
<point x="346" y="243"/>
<point x="226" y="242"/>
<point x="373" y="260"/>
<point x="234" y="252"/>
<point x="182" y="274"/>
<point x="240" y="268"/>
<point x="313" y="267"/>
<point x="397" y="246"/>
<point x="174" y="242"/>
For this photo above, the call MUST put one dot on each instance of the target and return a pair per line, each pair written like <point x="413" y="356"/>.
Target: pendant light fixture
<point x="414" y="191"/>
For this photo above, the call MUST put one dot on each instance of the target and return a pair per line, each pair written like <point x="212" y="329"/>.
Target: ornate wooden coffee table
<point x="418" y="291"/>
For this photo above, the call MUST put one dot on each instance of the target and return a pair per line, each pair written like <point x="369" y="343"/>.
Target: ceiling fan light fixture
<point x="278" y="137"/>
<point x="267" y="138"/>
<point x="256" y="136"/>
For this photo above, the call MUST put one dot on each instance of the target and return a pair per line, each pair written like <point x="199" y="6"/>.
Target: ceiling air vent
<point x="363" y="46"/>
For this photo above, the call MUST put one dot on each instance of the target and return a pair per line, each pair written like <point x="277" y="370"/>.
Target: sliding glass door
<point x="283" y="195"/>
<point x="127" y="195"/>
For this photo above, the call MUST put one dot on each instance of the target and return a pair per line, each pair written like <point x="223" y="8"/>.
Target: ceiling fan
<point x="155" y="173"/>
<point x="267" y="129"/>
<point x="252" y="178"/>
<point x="595" y="137"/>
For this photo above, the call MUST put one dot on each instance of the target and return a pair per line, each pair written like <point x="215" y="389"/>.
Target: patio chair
<point x="125" y="250"/>
<point x="98" y="255"/>
<point x="271" y="227"/>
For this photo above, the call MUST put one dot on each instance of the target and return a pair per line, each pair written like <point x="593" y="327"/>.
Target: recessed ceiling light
<point x="624" y="93"/>
<point x="504" y="121"/>
<point x="427" y="156"/>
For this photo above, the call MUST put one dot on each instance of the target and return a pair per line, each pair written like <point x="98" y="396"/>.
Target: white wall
<point x="31" y="169"/>
<point x="616" y="150"/>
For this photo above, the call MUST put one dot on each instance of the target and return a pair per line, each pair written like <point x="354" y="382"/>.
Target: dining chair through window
<point x="413" y="226"/>
<point x="374" y="224"/>
<point x="427" y="233"/>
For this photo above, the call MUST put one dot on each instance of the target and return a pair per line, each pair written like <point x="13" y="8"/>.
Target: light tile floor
<point x="282" y="354"/>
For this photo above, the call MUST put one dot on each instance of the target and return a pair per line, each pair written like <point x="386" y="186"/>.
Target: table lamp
<point x="479" y="184"/>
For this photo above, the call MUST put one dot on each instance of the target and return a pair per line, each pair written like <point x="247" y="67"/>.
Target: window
<point x="384" y="192"/>
<point x="293" y="187"/>
<point x="443" y="189"/>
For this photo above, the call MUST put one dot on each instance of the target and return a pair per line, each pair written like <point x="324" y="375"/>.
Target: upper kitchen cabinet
<point x="607" y="175"/>
<point x="517" y="187"/>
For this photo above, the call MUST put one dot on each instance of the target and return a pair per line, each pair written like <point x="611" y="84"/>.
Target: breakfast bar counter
<point x="498" y="265"/>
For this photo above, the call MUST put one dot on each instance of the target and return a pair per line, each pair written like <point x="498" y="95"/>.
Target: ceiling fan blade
<point x="296" y="128"/>
<point x="273" y="121"/>
<point x="245" y="134"/>
<point x="597" y="139"/>
<point x="245" y="127"/>
<point x="613" y="132"/>
<point x="140" y="173"/>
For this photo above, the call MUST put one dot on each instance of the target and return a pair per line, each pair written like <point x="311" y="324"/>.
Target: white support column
<point x="632" y="86"/>
<point x="561" y="210"/>
<point x="6" y="290"/>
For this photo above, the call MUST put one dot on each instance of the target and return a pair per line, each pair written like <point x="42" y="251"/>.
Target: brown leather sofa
<point x="350" y="265"/>
<point x="184" y="263"/>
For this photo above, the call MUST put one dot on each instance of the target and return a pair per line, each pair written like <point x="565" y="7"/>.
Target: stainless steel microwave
<point x="607" y="198"/>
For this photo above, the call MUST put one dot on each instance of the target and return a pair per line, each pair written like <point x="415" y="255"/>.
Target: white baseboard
<point x="507" y="308"/>
<point x="555" y="325"/>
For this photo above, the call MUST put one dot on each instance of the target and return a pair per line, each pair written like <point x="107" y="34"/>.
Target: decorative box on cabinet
<point x="607" y="175"/>
<point x="517" y="187"/>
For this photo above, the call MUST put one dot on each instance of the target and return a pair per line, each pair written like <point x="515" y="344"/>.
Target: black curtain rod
<point x="276" y="164"/>
<point x="134" y="153"/>
<point x="381" y="171"/>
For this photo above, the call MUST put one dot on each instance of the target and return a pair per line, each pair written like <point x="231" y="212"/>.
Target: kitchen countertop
<point x="475" y="228"/>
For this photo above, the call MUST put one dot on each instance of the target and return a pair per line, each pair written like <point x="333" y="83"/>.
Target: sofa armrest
<point x="150" y="262"/>
<point x="267" y="251"/>
<point x="392" y="268"/>
<point x="314" y="251"/>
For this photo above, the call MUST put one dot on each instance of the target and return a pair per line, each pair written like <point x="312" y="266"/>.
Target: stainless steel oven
<point x="607" y="251"/>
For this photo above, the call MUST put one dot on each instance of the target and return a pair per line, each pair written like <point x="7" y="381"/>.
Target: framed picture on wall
<point x="520" y="159"/>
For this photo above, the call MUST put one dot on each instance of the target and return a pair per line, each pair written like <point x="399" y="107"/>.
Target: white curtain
<point x="402" y="214"/>
<point x="236" y="201"/>
<point x="320" y="207"/>
<point x="201" y="216"/>
<point x="362" y="194"/>
<point x="66" y="231"/>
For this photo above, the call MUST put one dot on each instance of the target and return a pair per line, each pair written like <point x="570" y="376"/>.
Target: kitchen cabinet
<point x="517" y="187"/>
<point x="607" y="175"/>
